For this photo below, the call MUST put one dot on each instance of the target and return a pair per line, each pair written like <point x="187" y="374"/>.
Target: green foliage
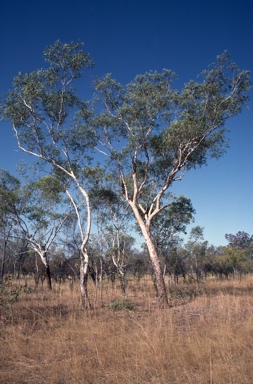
<point x="47" y="189"/>
<point x="185" y="291"/>
<point x="162" y="132"/>
<point x="227" y="261"/>
<point x="68" y="57"/>
<point x="50" y="120"/>
<point x="9" y="292"/>
<point x="121" y="304"/>
<point x="234" y="258"/>
<point x="241" y="240"/>
<point x="174" y="218"/>
<point x="9" y="191"/>
<point x="196" y="234"/>
<point x="139" y="268"/>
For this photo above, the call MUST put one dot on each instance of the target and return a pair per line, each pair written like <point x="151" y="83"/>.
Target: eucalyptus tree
<point x="38" y="212"/>
<point x="113" y="223"/>
<point x="50" y="122"/>
<point x="196" y="248"/>
<point x="118" y="247"/>
<point x="240" y="240"/>
<point x="82" y="209"/>
<point x="9" y="190"/>
<point x="43" y="215"/>
<point x="152" y="135"/>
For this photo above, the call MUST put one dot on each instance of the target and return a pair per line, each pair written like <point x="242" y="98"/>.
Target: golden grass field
<point x="206" y="337"/>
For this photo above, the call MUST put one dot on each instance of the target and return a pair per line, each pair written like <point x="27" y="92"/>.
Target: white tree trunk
<point x="84" y="259"/>
<point x="161" y="288"/>
<point x="44" y="259"/>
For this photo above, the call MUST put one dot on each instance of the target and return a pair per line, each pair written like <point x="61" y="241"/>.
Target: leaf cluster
<point x="49" y="119"/>
<point x="164" y="133"/>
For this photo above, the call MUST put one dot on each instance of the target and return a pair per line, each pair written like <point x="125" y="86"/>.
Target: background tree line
<point x="40" y="239"/>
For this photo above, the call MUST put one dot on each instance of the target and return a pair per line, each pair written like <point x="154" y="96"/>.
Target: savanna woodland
<point x="80" y="301"/>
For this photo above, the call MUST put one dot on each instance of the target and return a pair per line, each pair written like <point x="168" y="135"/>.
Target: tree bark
<point x="36" y="280"/>
<point x="101" y="281"/>
<point x="48" y="277"/>
<point x="85" y="304"/>
<point x="84" y="257"/>
<point x="158" y="272"/>
<point x="44" y="260"/>
<point x="122" y="279"/>
<point x="3" y="260"/>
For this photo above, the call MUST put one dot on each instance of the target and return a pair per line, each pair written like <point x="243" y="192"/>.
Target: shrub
<point x="121" y="305"/>
<point x="9" y="292"/>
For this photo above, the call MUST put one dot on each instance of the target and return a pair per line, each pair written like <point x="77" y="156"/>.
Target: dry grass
<point x="205" y="338"/>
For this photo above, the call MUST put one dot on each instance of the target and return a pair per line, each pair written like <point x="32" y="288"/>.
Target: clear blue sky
<point x="130" y="37"/>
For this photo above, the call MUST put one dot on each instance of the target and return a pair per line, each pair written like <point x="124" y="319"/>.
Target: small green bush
<point x="121" y="305"/>
<point x="9" y="292"/>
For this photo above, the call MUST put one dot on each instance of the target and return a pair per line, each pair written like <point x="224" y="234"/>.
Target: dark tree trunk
<point x="48" y="278"/>
<point x="85" y="303"/>
<point x="101" y="281"/>
<point x="3" y="260"/>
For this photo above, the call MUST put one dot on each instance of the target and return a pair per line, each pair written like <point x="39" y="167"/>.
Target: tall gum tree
<point x="152" y="135"/>
<point x="51" y="124"/>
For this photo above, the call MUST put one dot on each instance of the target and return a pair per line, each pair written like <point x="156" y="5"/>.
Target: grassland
<point x="206" y="337"/>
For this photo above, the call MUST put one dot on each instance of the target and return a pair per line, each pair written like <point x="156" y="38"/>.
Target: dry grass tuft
<point x="206" y="337"/>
